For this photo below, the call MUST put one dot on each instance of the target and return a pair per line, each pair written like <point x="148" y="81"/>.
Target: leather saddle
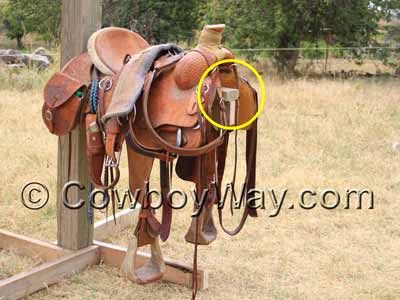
<point x="123" y="89"/>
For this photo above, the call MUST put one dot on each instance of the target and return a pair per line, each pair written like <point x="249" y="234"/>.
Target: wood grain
<point x="80" y="18"/>
<point x="27" y="246"/>
<point x="26" y="283"/>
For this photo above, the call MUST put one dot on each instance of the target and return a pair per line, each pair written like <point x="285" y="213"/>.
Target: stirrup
<point x="152" y="271"/>
<point x="207" y="232"/>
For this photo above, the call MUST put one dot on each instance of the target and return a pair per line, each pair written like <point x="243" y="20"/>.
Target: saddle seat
<point x="108" y="48"/>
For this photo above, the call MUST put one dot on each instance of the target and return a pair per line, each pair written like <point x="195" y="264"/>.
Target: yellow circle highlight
<point x="260" y="107"/>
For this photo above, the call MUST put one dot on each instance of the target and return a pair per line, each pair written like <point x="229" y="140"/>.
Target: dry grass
<point x="313" y="134"/>
<point x="335" y="67"/>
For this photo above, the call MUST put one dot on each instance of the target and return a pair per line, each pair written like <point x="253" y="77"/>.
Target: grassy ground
<point x="313" y="134"/>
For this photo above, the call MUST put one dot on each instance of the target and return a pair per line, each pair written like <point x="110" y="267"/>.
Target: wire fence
<point x="341" y="62"/>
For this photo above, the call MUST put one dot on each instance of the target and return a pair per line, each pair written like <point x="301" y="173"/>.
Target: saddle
<point x="123" y="89"/>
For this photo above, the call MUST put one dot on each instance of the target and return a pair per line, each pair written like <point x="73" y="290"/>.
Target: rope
<point x="94" y="93"/>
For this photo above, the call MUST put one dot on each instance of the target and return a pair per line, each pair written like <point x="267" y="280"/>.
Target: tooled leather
<point x="170" y="105"/>
<point x="189" y="70"/>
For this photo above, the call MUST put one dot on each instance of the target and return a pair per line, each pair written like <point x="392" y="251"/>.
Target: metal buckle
<point x="197" y="126"/>
<point x="108" y="84"/>
<point x="112" y="164"/>
<point x="179" y="137"/>
<point x="48" y="115"/>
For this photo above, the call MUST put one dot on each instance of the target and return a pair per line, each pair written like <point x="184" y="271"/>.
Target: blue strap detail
<point x="94" y="96"/>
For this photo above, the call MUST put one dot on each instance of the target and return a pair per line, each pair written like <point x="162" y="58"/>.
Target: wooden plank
<point x="176" y="272"/>
<point x="80" y="18"/>
<point x="30" y="247"/>
<point x="26" y="283"/>
<point x="106" y="227"/>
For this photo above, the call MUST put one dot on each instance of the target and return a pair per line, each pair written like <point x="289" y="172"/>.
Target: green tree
<point x="14" y="21"/>
<point x="20" y="17"/>
<point x="288" y="24"/>
<point x="45" y="19"/>
<point x="157" y="21"/>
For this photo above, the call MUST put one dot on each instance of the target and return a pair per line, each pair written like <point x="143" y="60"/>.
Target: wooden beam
<point x="176" y="272"/>
<point x="26" y="283"/>
<point x="30" y="247"/>
<point x="106" y="227"/>
<point x="79" y="19"/>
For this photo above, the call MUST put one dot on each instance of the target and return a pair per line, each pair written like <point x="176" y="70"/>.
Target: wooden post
<point x="80" y="18"/>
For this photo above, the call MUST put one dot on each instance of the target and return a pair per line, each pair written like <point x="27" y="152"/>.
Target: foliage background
<point x="251" y="24"/>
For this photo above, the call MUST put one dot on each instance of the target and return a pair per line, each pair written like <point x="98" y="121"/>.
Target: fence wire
<point x="328" y="61"/>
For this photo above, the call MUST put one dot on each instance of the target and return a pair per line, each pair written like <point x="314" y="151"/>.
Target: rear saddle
<point x="123" y="89"/>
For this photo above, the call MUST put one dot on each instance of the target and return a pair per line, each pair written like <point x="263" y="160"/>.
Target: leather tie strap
<point x="167" y="209"/>
<point x="251" y="150"/>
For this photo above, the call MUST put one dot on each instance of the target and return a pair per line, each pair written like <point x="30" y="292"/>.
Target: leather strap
<point x="131" y="140"/>
<point x="95" y="153"/>
<point x="114" y="138"/>
<point x="251" y="150"/>
<point x="167" y="209"/>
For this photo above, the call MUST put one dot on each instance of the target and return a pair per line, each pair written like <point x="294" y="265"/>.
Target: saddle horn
<point x="208" y="50"/>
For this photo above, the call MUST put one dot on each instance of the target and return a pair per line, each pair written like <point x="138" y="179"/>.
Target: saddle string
<point x="112" y="197"/>
<point x="200" y="186"/>
<point x="234" y="171"/>
<point x="194" y="274"/>
<point x="106" y="195"/>
<point x="167" y="209"/>
<point x="251" y="143"/>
